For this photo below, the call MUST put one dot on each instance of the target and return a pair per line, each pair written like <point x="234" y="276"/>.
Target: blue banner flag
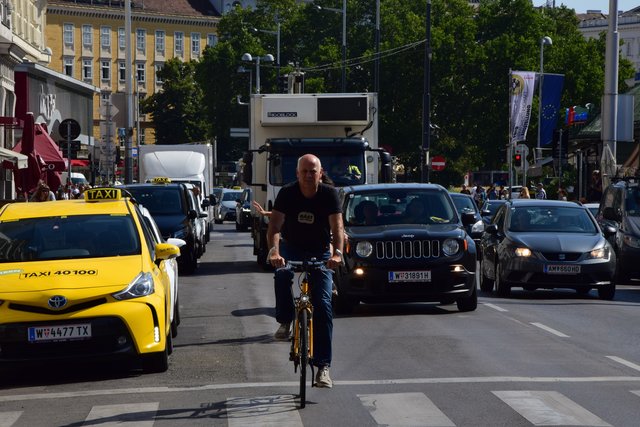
<point x="550" y="103"/>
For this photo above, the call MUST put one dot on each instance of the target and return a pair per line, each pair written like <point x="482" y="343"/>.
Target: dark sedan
<point x="406" y="243"/>
<point x="489" y="210"/>
<point x="546" y="244"/>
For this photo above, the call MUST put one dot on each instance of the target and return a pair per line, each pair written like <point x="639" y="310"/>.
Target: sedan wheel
<point x="486" y="284"/>
<point x="607" y="292"/>
<point x="502" y="287"/>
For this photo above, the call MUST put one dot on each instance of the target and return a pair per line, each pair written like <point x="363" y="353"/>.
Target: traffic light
<point x="518" y="160"/>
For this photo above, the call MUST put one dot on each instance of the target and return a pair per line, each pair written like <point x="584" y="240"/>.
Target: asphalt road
<point x="551" y="358"/>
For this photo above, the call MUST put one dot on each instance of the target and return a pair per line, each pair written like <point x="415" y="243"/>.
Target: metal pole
<point x="257" y="74"/>
<point x="278" y="48"/>
<point x="540" y="92"/>
<point x="426" y="99"/>
<point x="376" y="68"/>
<point x="128" y="151"/>
<point x="69" y="156"/>
<point x="344" y="46"/>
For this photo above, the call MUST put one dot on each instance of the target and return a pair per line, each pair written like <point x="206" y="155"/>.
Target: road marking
<point x="636" y="392"/>
<point x="8" y="418"/>
<point x="548" y="329"/>
<point x="495" y="307"/>
<point x="404" y="409"/>
<point x="624" y="362"/>
<point x="129" y="415"/>
<point x="549" y="408"/>
<point x="277" y="410"/>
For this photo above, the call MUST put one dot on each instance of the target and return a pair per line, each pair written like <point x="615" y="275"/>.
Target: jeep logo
<point x="407" y="236"/>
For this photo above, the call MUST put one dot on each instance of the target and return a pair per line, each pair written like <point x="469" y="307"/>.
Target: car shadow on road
<point x="623" y="295"/>
<point x="400" y="309"/>
<point x="217" y="268"/>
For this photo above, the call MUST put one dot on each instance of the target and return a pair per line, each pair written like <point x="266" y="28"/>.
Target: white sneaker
<point x="323" y="380"/>
<point x="284" y="332"/>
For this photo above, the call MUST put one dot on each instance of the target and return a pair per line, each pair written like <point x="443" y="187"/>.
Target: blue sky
<point x="581" y="6"/>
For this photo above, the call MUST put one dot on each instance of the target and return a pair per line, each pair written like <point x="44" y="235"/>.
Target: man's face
<point x="309" y="172"/>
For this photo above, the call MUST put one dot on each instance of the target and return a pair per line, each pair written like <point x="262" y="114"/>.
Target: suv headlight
<point x="141" y="286"/>
<point x="602" y="253"/>
<point x="631" y="241"/>
<point x="478" y="227"/>
<point x="364" y="249"/>
<point x="450" y="247"/>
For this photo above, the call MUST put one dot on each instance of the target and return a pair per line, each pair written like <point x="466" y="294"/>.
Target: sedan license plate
<point x="59" y="332"/>
<point x="562" y="269"/>
<point x="409" y="276"/>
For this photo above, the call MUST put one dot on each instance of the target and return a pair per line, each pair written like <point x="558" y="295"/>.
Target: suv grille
<point x="405" y="249"/>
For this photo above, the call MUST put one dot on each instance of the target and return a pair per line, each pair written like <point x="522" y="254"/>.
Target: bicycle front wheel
<point x="304" y="355"/>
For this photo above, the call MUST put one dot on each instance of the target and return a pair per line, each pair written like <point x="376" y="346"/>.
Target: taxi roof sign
<point x="102" y="194"/>
<point x="161" y="180"/>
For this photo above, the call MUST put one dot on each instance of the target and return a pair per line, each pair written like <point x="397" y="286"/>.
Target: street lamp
<point x="344" y="39"/>
<point x="546" y="40"/>
<point x="277" y="34"/>
<point x="249" y="58"/>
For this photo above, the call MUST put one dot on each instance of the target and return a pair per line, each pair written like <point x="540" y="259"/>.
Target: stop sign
<point x="437" y="163"/>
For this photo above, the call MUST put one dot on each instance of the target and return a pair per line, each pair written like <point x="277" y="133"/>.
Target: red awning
<point x="46" y="148"/>
<point x="80" y="163"/>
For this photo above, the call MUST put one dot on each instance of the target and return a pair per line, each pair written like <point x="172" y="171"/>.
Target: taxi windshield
<point x="79" y="236"/>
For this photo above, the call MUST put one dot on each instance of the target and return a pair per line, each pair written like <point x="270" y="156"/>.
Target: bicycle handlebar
<point x="306" y="265"/>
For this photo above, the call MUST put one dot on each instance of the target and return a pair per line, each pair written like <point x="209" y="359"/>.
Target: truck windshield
<point x="343" y="169"/>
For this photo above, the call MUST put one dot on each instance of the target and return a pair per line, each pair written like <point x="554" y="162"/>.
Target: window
<point x="122" y="71"/>
<point x="87" y="35"/>
<point x="105" y="37"/>
<point x="212" y="40"/>
<point x="140" y="77"/>
<point x="87" y="69"/>
<point x="195" y="44"/>
<point x="140" y="39"/>
<point x="105" y="70"/>
<point x="160" y="41"/>
<point x="67" y="34"/>
<point x="121" y="39"/>
<point x="179" y="43"/>
<point x="158" y="69"/>
<point x="68" y="66"/>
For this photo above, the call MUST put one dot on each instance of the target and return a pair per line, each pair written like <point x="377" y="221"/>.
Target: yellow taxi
<point x="83" y="278"/>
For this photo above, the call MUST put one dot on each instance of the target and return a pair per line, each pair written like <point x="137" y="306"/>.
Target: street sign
<point x="69" y="129"/>
<point x="437" y="163"/>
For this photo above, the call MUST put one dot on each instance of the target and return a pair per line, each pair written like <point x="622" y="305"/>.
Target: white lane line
<point x="624" y="362"/>
<point x="277" y="410"/>
<point x="7" y="419"/>
<point x="129" y="415"/>
<point x="404" y="409"/>
<point x="636" y="392"/>
<point x="295" y="384"/>
<point x="549" y="408"/>
<point x="548" y="329"/>
<point x="495" y="307"/>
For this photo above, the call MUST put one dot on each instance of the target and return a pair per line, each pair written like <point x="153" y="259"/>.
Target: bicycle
<point x="302" y="341"/>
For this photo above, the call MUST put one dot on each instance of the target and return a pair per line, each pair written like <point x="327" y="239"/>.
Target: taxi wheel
<point x="176" y="320"/>
<point x="159" y="361"/>
<point x="502" y="287"/>
<point x="486" y="284"/>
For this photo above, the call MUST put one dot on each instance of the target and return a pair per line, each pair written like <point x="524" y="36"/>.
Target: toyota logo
<point x="57" y="301"/>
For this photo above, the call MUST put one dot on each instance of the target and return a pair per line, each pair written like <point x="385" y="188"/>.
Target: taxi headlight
<point x="450" y="247"/>
<point x="364" y="249"/>
<point x="602" y="253"/>
<point x="141" y="286"/>
<point x="631" y="241"/>
<point x="523" y="252"/>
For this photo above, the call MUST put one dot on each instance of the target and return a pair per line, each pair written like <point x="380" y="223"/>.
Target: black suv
<point x="175" y="210"/>
<point x="405" y="243"/>
<point x="620" y="208"/>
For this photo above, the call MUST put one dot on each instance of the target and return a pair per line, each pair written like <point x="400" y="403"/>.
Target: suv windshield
<point x="399" y="207"/>
<point x="159" y="200"/>
<point x="79" y="236"/>
<point x="343" y="169"/>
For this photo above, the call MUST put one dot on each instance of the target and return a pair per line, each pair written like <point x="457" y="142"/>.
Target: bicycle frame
<point x="302" y="302"/>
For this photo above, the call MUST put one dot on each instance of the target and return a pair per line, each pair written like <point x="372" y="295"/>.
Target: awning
<point x="18" y="160"/>
<point x="46" y="148"/>
<point x="80" y="162"/>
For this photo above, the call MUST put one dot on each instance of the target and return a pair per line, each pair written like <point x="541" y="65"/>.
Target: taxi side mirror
<point x="166" y="251"/>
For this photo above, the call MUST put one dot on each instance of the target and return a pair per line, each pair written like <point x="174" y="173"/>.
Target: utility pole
<point x="128" y="150"/>
<point x="426" y="99"/>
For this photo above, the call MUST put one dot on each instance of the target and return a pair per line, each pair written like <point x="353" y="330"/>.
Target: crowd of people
<point x="43" y="192"/>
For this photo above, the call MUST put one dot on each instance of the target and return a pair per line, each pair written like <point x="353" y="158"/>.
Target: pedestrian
<point x="524" y="193"/>
<point x="43" y="193"/>
<point x="464" y="189"/>
<point x="595" y="187"/>
<point x="305" y="216"/>
<point x="562" y="194"/>
<point x="480" y="196"/>
<point x="540" y="193"/>
<point x="492" y="194"/>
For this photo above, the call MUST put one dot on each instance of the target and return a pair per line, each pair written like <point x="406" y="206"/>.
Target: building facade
<point x="88" y="42"/>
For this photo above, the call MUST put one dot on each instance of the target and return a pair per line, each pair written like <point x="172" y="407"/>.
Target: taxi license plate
<point x="409" y="276"/>
<point x="562" y="269"/>
<point x="59" y="332"/>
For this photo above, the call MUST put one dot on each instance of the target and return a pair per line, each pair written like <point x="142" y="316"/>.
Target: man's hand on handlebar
<point x="334" y="262"/>
<point x="275" y="259"/>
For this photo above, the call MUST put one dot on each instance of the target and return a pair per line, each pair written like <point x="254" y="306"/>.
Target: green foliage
<point x="472" y="53"/>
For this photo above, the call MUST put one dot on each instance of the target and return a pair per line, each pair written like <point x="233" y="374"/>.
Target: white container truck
<point x="192" y="163"/>
<point x="339" y="128"/>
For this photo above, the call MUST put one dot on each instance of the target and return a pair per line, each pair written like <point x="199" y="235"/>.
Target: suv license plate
<point x="59" y="332"/>
<point x="562" y="269"/>
<point x="409" y="276"/>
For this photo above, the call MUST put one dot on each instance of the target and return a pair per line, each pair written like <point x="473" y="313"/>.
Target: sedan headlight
<point x="631" y="241"/>
<point x="602" y="253"/>
<point x="523" y="252"/>
<point x="364" y="249"/>
<point x="450" y="247"/>
<point x="141" y="286"/>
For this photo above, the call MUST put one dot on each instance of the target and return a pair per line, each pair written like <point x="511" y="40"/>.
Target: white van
<point x="76" y="178"/>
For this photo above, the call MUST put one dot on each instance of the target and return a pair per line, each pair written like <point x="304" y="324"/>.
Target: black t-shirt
<point x="306" y="222"/>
